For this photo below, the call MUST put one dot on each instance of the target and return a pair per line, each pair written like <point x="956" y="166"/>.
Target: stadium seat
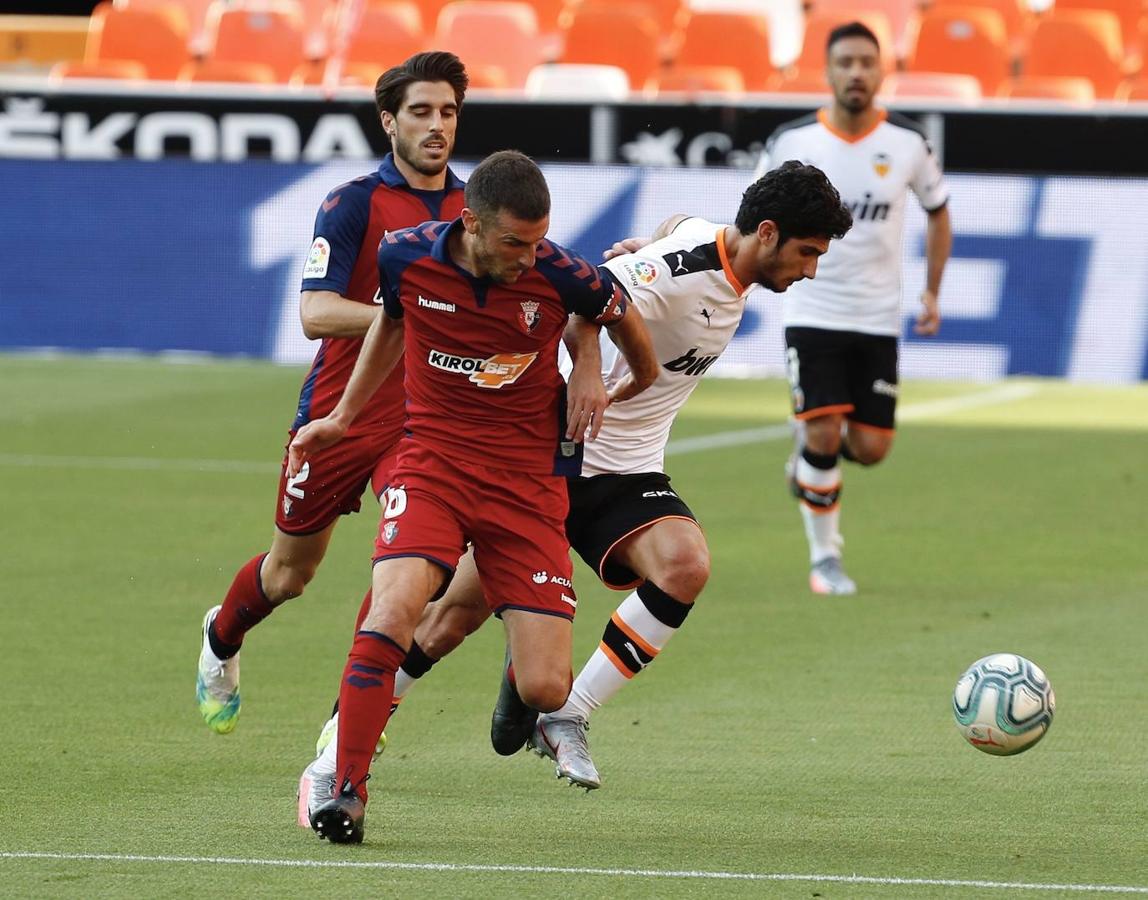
<point x="104" y="68"/>
<point x="621" y="35"/>
<point x="786" y="23"/>
<point x="214" y="70"/>
<point x="933" y="85"/>
<point x="819" y="25"/>
<point x="492" y="34"/>
<point x="384" y="35"/>
<point x="1133" y="90"/>
<point x="270" y="34"/>
<point x="696" y="80"/>
<point x="736" y="40"/>
<point x="898" y="14"/>
<point x="1077" y="42"/>
<point x="561" y="81"/>
<point x="38" y="41"/>
<point x="667" y="15"/>
<point x="799" y="82"/>
<point x="1017" y="17"/>
<point x="1074" y="90"/>
<point x="156" y="38"/>
<point x="961" y="40"/>
<point x="1129" y="12"/>
<point x="194" y="10"/>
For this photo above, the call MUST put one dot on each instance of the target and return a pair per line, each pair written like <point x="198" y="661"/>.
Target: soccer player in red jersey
<point x="478" y="306"/>
<point x="418" y="104"/>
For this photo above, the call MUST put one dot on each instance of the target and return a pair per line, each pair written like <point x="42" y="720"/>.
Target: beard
<point x="409" y="152"/>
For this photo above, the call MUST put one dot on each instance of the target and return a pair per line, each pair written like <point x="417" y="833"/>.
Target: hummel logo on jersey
<point x="689" y="364"/>
<point x="440" y="305"/>
<point x="540" y="577"/>
<point x="492" y="372"/>
<point x="881" y="386"/>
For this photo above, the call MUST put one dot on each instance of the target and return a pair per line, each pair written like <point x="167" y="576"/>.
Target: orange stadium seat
<point x="819" y="25"/>
<point x="1128" y="12"/>
<point x="736" y="40"/>
<point x="1077" y="42"/>
<point x="1017" y="17"/>
<point x="156" y="38"/>
<point x="489" y="34"/>
<point x="898" y="13"/>
<point x="102" y="68"/>
<point x="384" y="35"/>
<point x="962" y="40"/>
<point x="1071" y="89"/>
<point x="622" y="35"/>
<point x="667" y="15"/>
<point x="697" y="79"/>
<point x="234" y="72"/>
<point x="1133" y="90"/>
<point x="194" y="10"/>
<point x="935" y="85"/>
<point x="271" y="35"/>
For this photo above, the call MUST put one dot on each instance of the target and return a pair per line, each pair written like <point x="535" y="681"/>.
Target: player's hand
<point x="929" y="318"/>
<point x="624" y="246"/>
<point x="586" y="401"/>
<point x="310" y="439"/>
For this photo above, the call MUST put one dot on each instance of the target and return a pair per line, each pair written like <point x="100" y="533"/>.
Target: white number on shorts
<point x="293" y="483"/>
<point x="394" y="502"/>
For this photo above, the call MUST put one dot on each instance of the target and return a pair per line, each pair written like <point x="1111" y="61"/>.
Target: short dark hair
<point x="848" y="30"/>
<point x="799" y="199"/>
<point x="511" y="181"/>
<point x="434" y="65"/>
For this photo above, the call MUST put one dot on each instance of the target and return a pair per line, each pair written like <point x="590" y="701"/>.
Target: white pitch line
<point x="575" y="870"/>
<point x="912" y="412"/>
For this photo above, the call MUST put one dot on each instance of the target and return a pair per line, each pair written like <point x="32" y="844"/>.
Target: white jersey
<point x="858" y="283"/>
<point x="692" y="304"/>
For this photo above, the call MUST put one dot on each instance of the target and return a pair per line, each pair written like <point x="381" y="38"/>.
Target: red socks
<point x="244" y="607"/>
<point x="365" y="698"/>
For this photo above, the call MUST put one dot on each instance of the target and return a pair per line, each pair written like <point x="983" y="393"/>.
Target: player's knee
<point x="281" y="583"/>
<point x="684" y="572"/>
<point x="869" y="453"/>
<point x="544" y="692"/>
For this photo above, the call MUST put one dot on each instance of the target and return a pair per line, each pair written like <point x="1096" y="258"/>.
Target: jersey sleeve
<point x="389" y="268"/>
<point x="587" y="290"/>
<point x="340" y="226"/>
<point x="928" y="183"/>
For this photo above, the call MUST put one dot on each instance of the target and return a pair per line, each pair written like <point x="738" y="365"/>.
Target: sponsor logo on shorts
<point x="540" y="577"/>
<point x="881" y="386"/>
<point x="318" y="259"/>
<point x="560" y="581"/>
<point x="655" y="494"/>
<point x="390" y="531"/>
<point x="492" y="372"/>
<point x="570" y="600"/>
<point x="440" y="305"/>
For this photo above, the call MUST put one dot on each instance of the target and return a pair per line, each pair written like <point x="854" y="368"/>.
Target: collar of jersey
<point x="440" y="252"/>
<point x="823" y="118"/>
<point x="393" y="178"/>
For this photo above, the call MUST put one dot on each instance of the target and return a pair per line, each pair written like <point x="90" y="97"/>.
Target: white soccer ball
<point x="1003" y="704"/>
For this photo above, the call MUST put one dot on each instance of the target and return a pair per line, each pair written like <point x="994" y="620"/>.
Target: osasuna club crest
<point x="529" y="317"/>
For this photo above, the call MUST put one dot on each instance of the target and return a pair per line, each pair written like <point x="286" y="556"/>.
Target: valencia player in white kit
<point x="841" y="330"/>
<point x="626" y="520"/>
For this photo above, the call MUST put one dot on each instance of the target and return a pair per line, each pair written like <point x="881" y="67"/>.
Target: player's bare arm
<point x="586" y="397"/>
<point x="381" y="350"/>
<point x="326" y="314"/>
<point x="634" y="244"/>
<point x="633" y="339"/>
<point x="938" y="246"/>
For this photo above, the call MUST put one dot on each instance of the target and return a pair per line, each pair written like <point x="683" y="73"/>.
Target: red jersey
<point x="482" y="378"/>
<point x="343" y="259"/>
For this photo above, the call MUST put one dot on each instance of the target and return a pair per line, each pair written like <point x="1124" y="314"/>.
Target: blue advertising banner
<point x="1049" y="275"/>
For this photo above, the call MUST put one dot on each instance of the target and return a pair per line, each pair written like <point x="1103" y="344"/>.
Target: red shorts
<point x="331" y="483"/>
<point x="435" y="504"/>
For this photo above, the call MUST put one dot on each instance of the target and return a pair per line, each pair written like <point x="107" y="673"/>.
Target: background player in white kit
<point x="841" y="331"/>
<point x="625" y="520"/>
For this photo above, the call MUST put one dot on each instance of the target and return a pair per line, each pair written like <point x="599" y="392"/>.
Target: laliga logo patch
<point x="644" y="272"/>
<point x="881" y="163"/>
<point x="390" y="531"/>
<point x="529" y="317"/>
<point x="318" y="259"/>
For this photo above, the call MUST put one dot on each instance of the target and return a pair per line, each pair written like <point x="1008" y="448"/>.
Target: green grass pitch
<point x="804" y="742"/>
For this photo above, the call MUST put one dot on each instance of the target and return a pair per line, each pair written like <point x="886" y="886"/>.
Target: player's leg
<point x="307" y="509"/>
<point x="818" y="376"/>
<point x="870" y="430"/>
<point x="672" y="559"/>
